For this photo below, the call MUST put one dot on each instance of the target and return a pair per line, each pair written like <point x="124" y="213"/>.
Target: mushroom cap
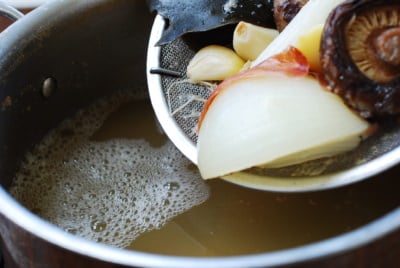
<point x="285" y="11"/>
<point x="360" y="56"/>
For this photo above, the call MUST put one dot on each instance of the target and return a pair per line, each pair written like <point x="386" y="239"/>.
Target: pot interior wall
<point x="89" y="49"/>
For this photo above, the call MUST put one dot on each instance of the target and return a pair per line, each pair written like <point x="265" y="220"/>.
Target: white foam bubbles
<point x="109" y="191"/>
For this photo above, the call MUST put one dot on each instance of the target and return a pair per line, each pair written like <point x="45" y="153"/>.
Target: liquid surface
<point x="167" y="208"/>
<point x="236" y="220"/>
<point x="108" y="190"/>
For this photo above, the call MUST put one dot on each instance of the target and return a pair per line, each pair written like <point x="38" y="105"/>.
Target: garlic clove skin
<point x="250" y="40"/>
<point x="214" y="63"/>
<point x="274" y="121"/>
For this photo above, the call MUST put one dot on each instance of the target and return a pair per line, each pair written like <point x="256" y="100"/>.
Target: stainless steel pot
<point x="66" y="54"/>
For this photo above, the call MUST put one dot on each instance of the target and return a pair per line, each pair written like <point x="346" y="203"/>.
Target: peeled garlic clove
<point x="250" y="40"/>
<point x="274" y="120"/>
<point x="214" y="63"/>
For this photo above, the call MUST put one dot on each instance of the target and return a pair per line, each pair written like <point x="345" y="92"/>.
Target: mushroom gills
<point x="373" y="42"/>
<point x="360" y="56"/>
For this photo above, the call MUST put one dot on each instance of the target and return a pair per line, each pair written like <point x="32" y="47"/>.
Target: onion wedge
<point x="273" y="115"/>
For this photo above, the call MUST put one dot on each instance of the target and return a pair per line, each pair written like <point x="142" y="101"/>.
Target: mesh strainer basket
<point x="178" y="103"/>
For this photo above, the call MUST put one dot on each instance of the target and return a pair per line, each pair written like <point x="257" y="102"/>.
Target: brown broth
<point x="236" y="220"/>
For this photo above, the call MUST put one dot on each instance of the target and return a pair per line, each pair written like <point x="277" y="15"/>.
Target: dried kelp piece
<point x="185" y="16"/>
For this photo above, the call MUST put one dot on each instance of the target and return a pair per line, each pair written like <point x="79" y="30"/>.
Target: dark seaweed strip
<point x="187" y="16"/>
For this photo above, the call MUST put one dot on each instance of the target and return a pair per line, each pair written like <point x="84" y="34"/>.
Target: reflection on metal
<point x="9" y="12"/>
<point x="49" y="86"/>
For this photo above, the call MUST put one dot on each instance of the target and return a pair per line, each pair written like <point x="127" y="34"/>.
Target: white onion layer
<point x="274" y="121"/>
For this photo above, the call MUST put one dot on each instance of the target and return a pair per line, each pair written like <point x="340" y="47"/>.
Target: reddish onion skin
<point x="290" y="62"/>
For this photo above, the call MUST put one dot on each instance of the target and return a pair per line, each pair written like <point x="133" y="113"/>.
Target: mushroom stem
<point x="387" y="46"/>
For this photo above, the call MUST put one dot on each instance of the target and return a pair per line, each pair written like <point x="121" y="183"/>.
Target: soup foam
<point x="107" y="191"/>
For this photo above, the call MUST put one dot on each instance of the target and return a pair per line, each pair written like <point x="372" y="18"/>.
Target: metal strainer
<point x="178" y="103"/>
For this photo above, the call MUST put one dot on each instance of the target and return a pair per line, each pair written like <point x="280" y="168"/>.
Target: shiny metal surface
<point x="9" y="11"/>
<point x="378" y="153"/>
<point x="33" y="242"/>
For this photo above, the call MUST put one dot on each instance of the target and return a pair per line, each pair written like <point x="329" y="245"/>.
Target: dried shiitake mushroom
<point x="285" y="10"/>
<point x="360" y="55"/>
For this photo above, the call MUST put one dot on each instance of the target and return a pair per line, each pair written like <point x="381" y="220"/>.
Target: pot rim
<point x="28" y="221"/>
<point x="25" y="3"/>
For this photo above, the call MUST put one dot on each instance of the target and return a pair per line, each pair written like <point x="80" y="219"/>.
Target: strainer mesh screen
<point x="186" y="100"/>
